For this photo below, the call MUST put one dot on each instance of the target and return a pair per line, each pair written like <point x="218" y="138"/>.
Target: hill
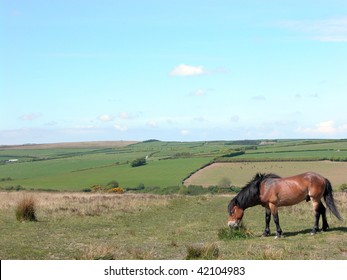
<point x="79" y="166"/>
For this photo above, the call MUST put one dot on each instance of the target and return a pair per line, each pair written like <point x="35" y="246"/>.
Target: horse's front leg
<point x="267" y="222"/>
<point x="274" y="211"/>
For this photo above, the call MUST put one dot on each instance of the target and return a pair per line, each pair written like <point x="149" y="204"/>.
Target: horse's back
<point x="307" y="176"/>
<point x="292" y="190"/>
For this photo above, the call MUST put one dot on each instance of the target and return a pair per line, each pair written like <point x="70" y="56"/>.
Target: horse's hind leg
<point x="316" y="217"/>
<point x="319" y="210"/>
<point x="277" y="223"/>
<point x="322" y="210"/>
<point x="274" y="211"/>
<point x="267" y="222"/>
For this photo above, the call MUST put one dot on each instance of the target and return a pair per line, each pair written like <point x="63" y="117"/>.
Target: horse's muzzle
<point x="233" y="224"/>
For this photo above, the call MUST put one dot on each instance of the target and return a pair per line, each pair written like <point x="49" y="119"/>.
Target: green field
<point x="73" y="167"/>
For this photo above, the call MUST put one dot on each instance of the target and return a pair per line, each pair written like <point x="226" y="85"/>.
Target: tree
<point x="138" y="162"/>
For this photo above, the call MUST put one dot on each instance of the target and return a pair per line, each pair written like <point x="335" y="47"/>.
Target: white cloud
<point x="199" y="119"/>
<point x="187" y="70"/>
<point x="325" y="128"/>
<point x="120" y="127"/>
<point x="199" y="92"/>
<point x="258" y="98"/>
<point x="328" y="30"/>
<point x="152" y="123"/>
<point x="105" y="118"/>
<point x="185" y="132"/>
<point x="30" y="116"/>
<point x="125" y="116"/>
<point x="234" y="118"/>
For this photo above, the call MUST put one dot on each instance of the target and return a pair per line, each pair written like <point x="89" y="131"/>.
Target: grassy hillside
<point x="74" y="167"/>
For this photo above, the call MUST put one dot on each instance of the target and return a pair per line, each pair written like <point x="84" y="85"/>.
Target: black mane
<point x="249" y="194"/>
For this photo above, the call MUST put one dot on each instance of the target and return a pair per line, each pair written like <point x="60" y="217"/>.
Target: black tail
<point x="329" y="199"/>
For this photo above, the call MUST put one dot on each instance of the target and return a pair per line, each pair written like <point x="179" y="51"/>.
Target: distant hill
<point x="91" y="144"/>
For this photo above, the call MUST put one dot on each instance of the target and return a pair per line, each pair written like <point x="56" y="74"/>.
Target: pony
<point x="271" y="191"/>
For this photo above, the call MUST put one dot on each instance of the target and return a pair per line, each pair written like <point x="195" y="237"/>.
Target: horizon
<point x="173" y="141"/>
<point x="80" y="71"/>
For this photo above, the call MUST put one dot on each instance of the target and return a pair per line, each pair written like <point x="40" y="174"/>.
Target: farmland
<point x="79" y="167"/>
<point x="139" y="224"/>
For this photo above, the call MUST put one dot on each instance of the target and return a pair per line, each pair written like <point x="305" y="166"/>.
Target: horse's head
<point x="235" y="213"/>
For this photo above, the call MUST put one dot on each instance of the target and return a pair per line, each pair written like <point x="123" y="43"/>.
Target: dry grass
<point x="94" y="252"/>
<point x="58" y="205"/>
<point x="202" y="251"/>
<point x="26" y="209"/>
<point x="239" y="173"/>
<point x="128" y="226"/>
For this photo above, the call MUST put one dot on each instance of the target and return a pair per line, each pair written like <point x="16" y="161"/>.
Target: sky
<point x="184" y="70"/>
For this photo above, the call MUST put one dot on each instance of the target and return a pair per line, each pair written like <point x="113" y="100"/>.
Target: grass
<point x="128" y="226"/>
<point x="72" y="175"/>
<point x="227" y="233"/>
<point x="202" y="252"/>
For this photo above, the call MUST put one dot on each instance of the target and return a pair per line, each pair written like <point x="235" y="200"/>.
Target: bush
<point x="14" y="188"/>
<point x="116" y="190"/>
<point x="343" y="187"/>
<point x="112" y="185"/>
<point x="97" y="188"/>
<point x="140" y="187"/>
<point x="224" y="182"/>
<point x="26" y="210"/>
<point x="138" y="162"/>
<point x="193" y="190"/>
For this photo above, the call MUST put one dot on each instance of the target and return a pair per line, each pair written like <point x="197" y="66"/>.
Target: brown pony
<point x="272" y="191"/>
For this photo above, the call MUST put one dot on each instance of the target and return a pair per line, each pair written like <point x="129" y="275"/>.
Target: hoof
<point x="279" y="236"/>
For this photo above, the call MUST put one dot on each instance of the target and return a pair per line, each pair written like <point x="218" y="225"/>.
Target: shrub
<point x="234" y="154"/>
<point x="112" y="185"/>
<point x="138" y="162"/>
<point x="97" y="188"/>
<point x="14" y="188"/>
<point x="116" y="190"/>
<point x="5" y="179"/>
<point x="224" y="182"/>
<point x="343" y="187"/>
<point x="26" y="210"/>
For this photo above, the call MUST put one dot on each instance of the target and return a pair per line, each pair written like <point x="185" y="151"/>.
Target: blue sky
<point x="172" y="70"/>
